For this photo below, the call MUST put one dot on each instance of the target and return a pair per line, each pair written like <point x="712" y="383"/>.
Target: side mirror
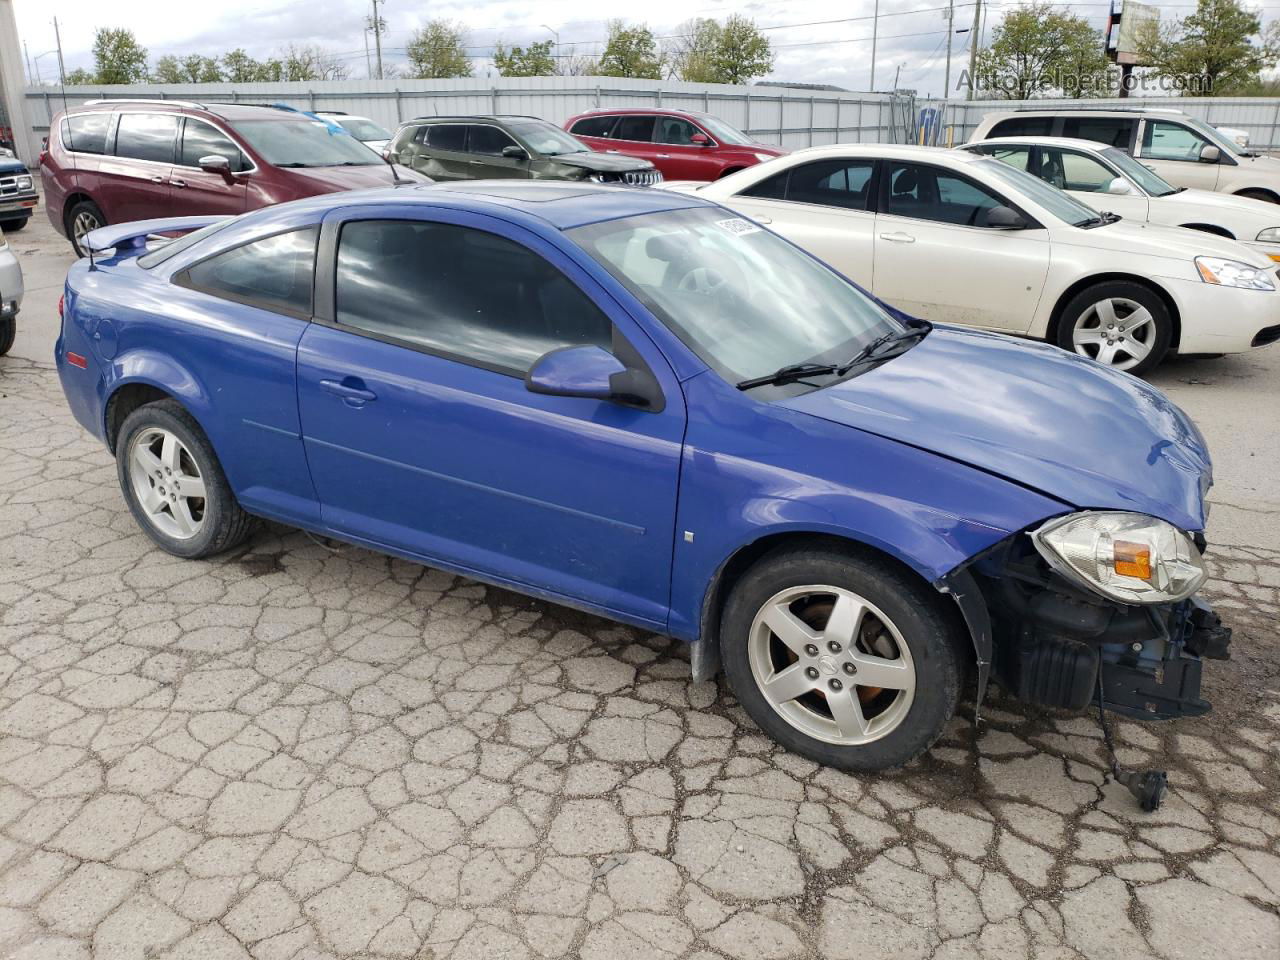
<point x="218" y="165"/>
<point x="515" y="153"/>
<point x="1210" y="154"/>
<point x="1119" y="186"/>
<point x="700" y="140"/>
<point x="575" y="372"/>
<point x="1004" y="218"/>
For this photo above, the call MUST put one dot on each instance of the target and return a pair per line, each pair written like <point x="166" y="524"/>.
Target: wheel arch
<point x="728" y="172"/>
<point x="145" y="378"/>
<point x="1209" y="228"/>
<point x="69" y="202"/>
<point x="1059" y="307"/>
<point x="1252" y="193"/>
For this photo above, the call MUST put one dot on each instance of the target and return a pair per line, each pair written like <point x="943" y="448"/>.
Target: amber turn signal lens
<point x="1133" y="559"/>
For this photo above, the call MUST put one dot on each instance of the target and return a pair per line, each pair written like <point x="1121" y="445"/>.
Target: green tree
<point x="80" y="77"/>
<point x="691" y="52"/>
<point x="117" y="57"/>
<point x="631" y="52"/>
<point x="438" y="51"/>
<point x="1216" y="51"/>
<point x="239" y="67"/>
<point x="193" y="68"/>
<point x="742" y="53"/>
<point x="534" y="60"/>
<point x="305" y="62"/>
<point x="1037" y="49"/>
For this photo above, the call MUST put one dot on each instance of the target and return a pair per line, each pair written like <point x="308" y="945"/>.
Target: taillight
<point x="77" y="360"/>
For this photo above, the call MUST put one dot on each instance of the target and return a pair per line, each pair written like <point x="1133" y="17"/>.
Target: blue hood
<point x="10" y="165"/>
<point x="1037" y="415"/>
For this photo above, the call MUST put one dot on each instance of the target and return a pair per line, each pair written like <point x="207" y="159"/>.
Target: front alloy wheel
<point x="1123" y="325"/>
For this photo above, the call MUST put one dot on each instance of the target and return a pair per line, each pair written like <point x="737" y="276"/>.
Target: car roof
<point x="223" y="111"/>
<point x="559" y="204"/>
<point x="1086" y="112"/>
<point x="1093" y="146"/>
<point x="489" y="117"/>
<point x="662" y="111"/>
<point x="891" y="151"/>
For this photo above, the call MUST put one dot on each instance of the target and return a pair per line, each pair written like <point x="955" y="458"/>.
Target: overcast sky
<point x="912" y="35"/>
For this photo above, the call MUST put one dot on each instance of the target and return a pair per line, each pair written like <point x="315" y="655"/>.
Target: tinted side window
<point x="593" y="127"/>
<point x="146" y="136"/>
<point x="1171" y="141"/>
<point x="461" y="292"/>
<point x="832" y="183"/>
<point x="927" y="193"/>
<point x="488" y="140"/>
<point x="1115" y="131"/>
<point x="447" y="136"/>
<point x="274" y="273"/>
<point x="770" y="188"/>
<point x="1068" y="170"/>
<point x="1023" y="127"/>
<point x="86" y="133"/>
<point x="634" y="128"/>
<point x="202" y="140"/>
<point x="674" y="130"/>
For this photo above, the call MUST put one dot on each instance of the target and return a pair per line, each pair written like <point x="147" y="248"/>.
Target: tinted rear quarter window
<point x="832" y="183"/>
<point x="770" y="188"/>
<point x="275" y="273"/>
<point x="447" y="136"/>
<point x="593" y="127"/>
<point x="460" y="292"/>
<point x="1023" y="127"/>
<point x="634" y="128"/>
<point x="147" y="136"/>
<point x="86" y="133"/>
<point x="1114" y="131"/>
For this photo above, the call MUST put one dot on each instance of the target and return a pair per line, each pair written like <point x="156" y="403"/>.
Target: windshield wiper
<point x="1101" y="220"/>
<point x="874" y="350"/>
<point x="294" y="164"/>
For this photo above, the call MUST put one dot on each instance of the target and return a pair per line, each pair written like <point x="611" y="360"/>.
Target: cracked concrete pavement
<point x="302" y="752"/>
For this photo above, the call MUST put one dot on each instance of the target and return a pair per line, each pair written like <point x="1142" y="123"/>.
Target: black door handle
<point x="352" y="396"/>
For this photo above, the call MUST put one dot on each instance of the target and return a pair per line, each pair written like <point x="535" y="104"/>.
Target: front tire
<point x="83" y="218"/>
<point x="8" y="333"/>
<point x="174" y="484"/>
<point x="13" y="226"/>
<point x="1119" y="323"/>
<point x="841" y="658"/>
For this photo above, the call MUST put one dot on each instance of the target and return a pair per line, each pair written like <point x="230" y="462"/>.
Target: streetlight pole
<point x="951" y="32"/>
<point x="875" y="35"/>
<point x="973" y="47"/>
<point x="57" y="36"/>
<point x="556" y="34"/>
<point x="377" y="35"/>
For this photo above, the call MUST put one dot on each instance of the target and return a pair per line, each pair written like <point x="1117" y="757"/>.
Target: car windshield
<point x="363" y="129"/>
<point x="1049" y="197"/>
<point x="722" y="131"/>
<point x="743" y="299"/>
<point x="1215" y="136"/>
<point x="1141" y="174"/>
<point x="545" y="138"/>
<point x="304" y="143"/>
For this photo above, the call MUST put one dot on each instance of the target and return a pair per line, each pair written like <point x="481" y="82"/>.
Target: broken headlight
<point x="1128" y="557"/>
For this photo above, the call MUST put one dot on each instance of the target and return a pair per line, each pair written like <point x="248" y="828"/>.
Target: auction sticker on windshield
<point x="737" y="226"/>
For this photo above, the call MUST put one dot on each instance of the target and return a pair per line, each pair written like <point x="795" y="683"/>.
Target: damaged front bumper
<point x="1052" y="644"/>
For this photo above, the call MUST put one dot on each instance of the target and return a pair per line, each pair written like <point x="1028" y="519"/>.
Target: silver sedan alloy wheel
<point x="1116" y="331"/>
<point x="167" y="483"/>
<point x="831" y="664"/>
<point x="84" y="224"/>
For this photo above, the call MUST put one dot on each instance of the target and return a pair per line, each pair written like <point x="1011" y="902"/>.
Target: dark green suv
<point x="508" y="147"/>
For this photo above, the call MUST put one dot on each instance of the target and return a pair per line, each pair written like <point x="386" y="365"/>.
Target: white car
<point x="1184" y="150"/>
<point x="1107" y="178"/>
<point x="10" y="295"/>
<point x="371" y="134"/>
<point x="960" y="238"/>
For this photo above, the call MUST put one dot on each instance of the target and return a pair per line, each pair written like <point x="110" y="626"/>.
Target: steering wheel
<point x="702" y="280"/>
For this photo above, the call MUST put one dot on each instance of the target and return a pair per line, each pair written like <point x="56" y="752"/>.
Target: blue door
<point x="422" y="437"/>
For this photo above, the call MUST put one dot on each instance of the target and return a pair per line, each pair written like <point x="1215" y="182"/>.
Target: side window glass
<point x="274" y="273"/>
<point x="86" y="133"/>
<point x="465" y="293"/>
<point x="674" y="130"/>
<point x="447" y="136"/>
<point x="1015" y="157"/>
<point x="488" y="140"/>
<point x="926" y="193"/>
<point x="147" y="136"/>
<point x="593" y="127"/>
<point x="1171" y="141"/>
<point x="1114" y="131"/>
<point x="202" y="140"/>
<point x="634" y="128"/>
<point x="832" y="183"/>
<point x="770" y="188"/>
<point x="1023" y="127"/>
<point x="1068" y="170"/>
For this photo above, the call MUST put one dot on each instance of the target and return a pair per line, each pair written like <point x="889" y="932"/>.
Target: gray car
<point x="509" y="148"/>
<point x="10" y="295"/>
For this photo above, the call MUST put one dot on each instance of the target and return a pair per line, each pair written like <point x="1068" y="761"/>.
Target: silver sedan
<point x="10" y="295"/>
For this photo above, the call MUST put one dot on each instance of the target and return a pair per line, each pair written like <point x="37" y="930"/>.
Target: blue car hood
<point x="1039" y="416"/>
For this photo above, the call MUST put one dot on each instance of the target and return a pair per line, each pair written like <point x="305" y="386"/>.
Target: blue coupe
<point x="639" y="404"/>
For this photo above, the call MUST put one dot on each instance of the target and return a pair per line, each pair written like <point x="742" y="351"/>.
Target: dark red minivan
<point x="683" y="145"/>
<point x="112" y="161"/>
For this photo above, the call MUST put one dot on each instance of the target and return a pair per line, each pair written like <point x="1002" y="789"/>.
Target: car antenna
<point x="71" y="137"/>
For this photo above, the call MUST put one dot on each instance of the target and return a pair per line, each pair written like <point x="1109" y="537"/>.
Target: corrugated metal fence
<point x="787" y="116"/>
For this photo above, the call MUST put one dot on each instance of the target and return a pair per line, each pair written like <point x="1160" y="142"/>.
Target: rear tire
<point x="13" y="226"/>
<point x="8" y="331"/>
<point x="83" y="217"/>
<point x="174" y="485"/>
<point x="1118" y="323"/>
<point x="841" y="657"/>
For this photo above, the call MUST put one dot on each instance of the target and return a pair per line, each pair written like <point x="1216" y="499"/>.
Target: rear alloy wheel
<point x="1123" y="325"/>
<point x="842" y="660"/>
<point x="83" y="219"/>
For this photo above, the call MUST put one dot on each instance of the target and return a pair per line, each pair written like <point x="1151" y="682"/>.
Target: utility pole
<point x="62" y="69"/>
<point x="896" y="74"/>
<point x="875" y="35"/>
<point x="368" y="64"/>
<point x="951" y="32"/>
<point x="556" y="34"/>
<point x="973" y="46"/>
<point x="376" y="23"/>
